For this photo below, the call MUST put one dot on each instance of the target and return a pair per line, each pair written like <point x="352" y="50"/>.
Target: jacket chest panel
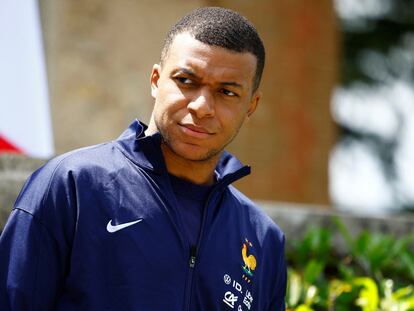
<point x="227" y="277"/>
<point x="133" y="246"/>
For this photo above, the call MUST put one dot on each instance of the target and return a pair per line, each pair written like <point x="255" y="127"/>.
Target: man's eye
<point x="183" y="80"/>
<point x="228" y="92"/>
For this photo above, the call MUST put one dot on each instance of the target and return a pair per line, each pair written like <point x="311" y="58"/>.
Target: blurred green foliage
<point x="377" y="45"/>
<point x="375" y="272"/>
<point x="379" y="34"/>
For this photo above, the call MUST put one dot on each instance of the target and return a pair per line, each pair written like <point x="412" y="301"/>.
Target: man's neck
<point x="197" y="172"/>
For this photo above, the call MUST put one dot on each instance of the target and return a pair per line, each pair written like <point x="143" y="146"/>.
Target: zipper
<point x="193" y="253"/>
<point x="189" y="286"/>
<point x="195" y="250"/>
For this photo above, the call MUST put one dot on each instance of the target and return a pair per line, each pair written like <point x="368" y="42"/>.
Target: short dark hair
<point x="220" y="27"/>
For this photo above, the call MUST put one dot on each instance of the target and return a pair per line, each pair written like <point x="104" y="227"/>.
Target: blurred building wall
<point x="100" y="54"/>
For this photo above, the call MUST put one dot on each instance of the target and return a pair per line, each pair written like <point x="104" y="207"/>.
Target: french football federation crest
<point x="249" y="260"/>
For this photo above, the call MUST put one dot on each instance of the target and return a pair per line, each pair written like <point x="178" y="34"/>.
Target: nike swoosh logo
<point x="111" y="229"/>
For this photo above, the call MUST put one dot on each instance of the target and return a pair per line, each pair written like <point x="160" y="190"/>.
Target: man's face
<point x="202" y="96"/>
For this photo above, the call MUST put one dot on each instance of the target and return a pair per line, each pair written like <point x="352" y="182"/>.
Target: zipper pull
<point x="193" y="251"/>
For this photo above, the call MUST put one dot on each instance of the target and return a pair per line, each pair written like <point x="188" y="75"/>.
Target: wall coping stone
<point x="296" y="219"/>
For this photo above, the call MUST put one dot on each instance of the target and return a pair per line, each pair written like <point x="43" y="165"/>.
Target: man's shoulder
<point x="252" y="213"/>
<point x="57" y="179"/>
<point x="108" y="154"/>
<point x="58" y="170"/>
<point x="82" y="159"/>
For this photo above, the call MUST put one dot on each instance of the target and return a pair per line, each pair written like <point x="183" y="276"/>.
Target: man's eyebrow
<point x="192" y="74"/>
<point x="187" y="72"/>
<point x="234" y="84"/>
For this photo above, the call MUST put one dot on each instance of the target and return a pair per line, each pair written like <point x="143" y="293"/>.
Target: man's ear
<point x="253" y="103"/>
<point x="154" y="78"/>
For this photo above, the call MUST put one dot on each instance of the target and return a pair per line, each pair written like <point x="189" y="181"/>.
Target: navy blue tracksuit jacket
<point x="99" y="229"/>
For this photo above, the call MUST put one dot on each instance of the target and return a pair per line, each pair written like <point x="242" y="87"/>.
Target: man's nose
<point x="202" y="105"/>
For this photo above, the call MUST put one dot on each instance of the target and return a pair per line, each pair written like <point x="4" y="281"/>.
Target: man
<point x="150" y="221"/>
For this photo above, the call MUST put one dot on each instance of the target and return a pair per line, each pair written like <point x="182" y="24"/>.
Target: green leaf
<point x="407" y="258"/>
<point x="403" y="292"/>
<point x="312" y="271"/>
<point x="368" y="296"/>
<point x="303" y="308"/>
<point x="345" y="271"/>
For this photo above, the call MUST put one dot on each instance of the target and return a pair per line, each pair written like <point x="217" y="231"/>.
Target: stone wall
<point x="296" y="219"/>
<point x="288" y="139"/>
<point x="100" y="53"/>
<point x="14" y="170"/>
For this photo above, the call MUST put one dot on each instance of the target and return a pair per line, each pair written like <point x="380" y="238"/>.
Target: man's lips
<point x="195" y="131"/>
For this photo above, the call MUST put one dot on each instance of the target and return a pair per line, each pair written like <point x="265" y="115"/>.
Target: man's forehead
<point x="189" y="53"/>
<point x="184" y="41"/>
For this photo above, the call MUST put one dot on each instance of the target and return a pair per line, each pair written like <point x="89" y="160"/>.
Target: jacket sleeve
<point x="34" y="245"/>
<point x="29" y="270"/>
<point x="278" y="303"/>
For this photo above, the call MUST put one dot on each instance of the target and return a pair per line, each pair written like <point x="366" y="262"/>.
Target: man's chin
<point x="199" y="156"/>
<point x="195" y="153"/>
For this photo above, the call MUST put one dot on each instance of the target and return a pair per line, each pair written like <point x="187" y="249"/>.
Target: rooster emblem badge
<point x="249" y="261"/>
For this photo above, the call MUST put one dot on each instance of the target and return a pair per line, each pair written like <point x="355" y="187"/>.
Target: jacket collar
<point x="145" y="151"/>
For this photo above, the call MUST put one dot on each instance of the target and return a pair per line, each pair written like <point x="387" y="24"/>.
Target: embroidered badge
<point x="249" y="261"/>
<point x="237" y="294"/>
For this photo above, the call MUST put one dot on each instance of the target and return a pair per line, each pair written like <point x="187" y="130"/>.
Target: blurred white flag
<point x="25" y="125"/>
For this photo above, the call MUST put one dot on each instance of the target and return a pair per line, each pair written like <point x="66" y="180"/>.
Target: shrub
<point x="376" y="272"/>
